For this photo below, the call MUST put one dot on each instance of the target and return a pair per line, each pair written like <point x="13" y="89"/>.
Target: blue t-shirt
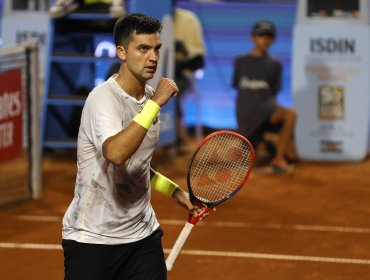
<point x="257" y="81"/>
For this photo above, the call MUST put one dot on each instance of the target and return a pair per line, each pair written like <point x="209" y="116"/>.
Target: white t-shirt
<point x="111" y="204"/>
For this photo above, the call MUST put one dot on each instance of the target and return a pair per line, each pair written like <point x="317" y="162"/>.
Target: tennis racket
<point x="218" y="169"/>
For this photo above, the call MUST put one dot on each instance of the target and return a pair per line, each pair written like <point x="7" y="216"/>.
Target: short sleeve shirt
<point x="257" y="80"/>
<point x="111" y="204"/>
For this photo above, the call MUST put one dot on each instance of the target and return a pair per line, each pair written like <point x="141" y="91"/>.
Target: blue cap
<point x="264" y="27"/>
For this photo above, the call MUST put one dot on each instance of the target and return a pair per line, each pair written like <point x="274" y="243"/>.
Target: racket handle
<point x="175" y="251"/>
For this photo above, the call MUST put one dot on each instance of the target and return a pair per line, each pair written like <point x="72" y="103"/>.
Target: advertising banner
<point x="331" y="91"/>
<point x="11" y="112"/>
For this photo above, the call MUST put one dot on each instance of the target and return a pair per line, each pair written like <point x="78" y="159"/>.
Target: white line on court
<point x="171" y="222"/>
<point x="9" y="245"/>
<point x="273" y="226"/>
<point x="271" y="256"/>
<point x="246" y="255"/>
<point x="39" y="218"/>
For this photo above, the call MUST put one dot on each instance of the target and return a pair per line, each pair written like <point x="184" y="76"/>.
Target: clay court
<point x="312" y="224"/>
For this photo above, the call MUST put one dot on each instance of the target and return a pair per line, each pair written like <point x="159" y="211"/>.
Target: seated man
<point x="257" y="79"/>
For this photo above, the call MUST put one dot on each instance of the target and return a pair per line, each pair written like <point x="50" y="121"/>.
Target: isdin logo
<point x="323" y="45"/>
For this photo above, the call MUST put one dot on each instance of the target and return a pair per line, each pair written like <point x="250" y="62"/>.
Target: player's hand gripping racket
<point x="218" y="169"/>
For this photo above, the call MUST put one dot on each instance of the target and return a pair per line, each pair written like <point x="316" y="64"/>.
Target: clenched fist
<point x="166" y="88"/>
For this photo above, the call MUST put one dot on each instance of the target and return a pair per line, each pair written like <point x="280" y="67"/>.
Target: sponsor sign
<point x="331" y="91"/>
<point x="11" y="112"/>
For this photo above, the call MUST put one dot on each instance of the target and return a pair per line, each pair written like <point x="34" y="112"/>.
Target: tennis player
<point x="110" y="230"/>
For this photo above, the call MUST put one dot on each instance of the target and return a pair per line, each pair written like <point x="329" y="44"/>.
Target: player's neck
<point x="130" y="85"/>
<point x="256" y="52"/>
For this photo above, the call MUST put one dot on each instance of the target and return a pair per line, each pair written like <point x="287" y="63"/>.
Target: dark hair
<point x="134" y="23"/>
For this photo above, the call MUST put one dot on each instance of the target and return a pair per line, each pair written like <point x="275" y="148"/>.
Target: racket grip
<point x="175" y="251"/>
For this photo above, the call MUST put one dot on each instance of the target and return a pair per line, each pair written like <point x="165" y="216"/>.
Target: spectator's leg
<point x="287" y="118"/>
<point x="256" y="139"/>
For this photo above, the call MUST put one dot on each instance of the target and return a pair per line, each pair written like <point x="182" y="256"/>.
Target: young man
<point x="110" y="230"/>
<point x="257" y="78"/>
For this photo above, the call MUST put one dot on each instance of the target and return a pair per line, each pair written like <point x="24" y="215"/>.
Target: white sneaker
<point x="62" y="8"/>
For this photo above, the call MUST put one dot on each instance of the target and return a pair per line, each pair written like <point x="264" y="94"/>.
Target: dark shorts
<point x="141" y="260"/>
<point x="266" y="126"/>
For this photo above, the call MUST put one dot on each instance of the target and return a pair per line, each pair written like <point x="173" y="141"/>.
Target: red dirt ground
<point x="321" y="210"/>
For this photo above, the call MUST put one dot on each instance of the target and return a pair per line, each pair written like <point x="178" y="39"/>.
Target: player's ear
<point x="121" y="53"/>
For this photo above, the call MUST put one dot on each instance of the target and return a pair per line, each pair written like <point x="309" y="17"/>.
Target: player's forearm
<point x="182" y="198"/>
<point x="162" y="184"/>
<point x="120" y="147"/>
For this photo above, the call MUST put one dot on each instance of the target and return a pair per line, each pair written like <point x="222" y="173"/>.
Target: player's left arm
<point x="169" y="188"/>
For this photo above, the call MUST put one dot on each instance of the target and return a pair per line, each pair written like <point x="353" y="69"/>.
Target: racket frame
<point x="175" y="251"/>
<point x="210" y="206"/>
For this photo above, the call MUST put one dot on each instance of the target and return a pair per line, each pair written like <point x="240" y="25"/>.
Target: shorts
<point x="266" y="126"/>
<point x="141" y="260"/>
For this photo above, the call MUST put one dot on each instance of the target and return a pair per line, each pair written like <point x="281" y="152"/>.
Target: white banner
<point x="331" y="91"/>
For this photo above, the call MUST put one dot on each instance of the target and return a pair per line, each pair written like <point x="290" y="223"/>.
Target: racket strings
<point x="217" y="177"/>
<point x="219" y="167"/>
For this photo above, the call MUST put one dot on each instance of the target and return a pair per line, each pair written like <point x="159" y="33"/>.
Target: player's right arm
<point x="121" y="146"/>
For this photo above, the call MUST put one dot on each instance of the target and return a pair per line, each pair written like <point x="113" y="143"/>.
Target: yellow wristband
<point x="162" y="184"/>
<point x="147" y="115"/>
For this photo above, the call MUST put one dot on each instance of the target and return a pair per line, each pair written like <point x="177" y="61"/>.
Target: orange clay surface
<point x="312" y="224"/>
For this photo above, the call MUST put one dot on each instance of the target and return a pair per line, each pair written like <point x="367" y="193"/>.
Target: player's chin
<point x="149" y="75"/>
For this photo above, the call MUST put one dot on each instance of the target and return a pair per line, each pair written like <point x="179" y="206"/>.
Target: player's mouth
<point x="151" y="69"/>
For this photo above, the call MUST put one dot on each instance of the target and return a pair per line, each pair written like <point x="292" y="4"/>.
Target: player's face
<point x="142" y="55"/>
<point x="263" y="41"/>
